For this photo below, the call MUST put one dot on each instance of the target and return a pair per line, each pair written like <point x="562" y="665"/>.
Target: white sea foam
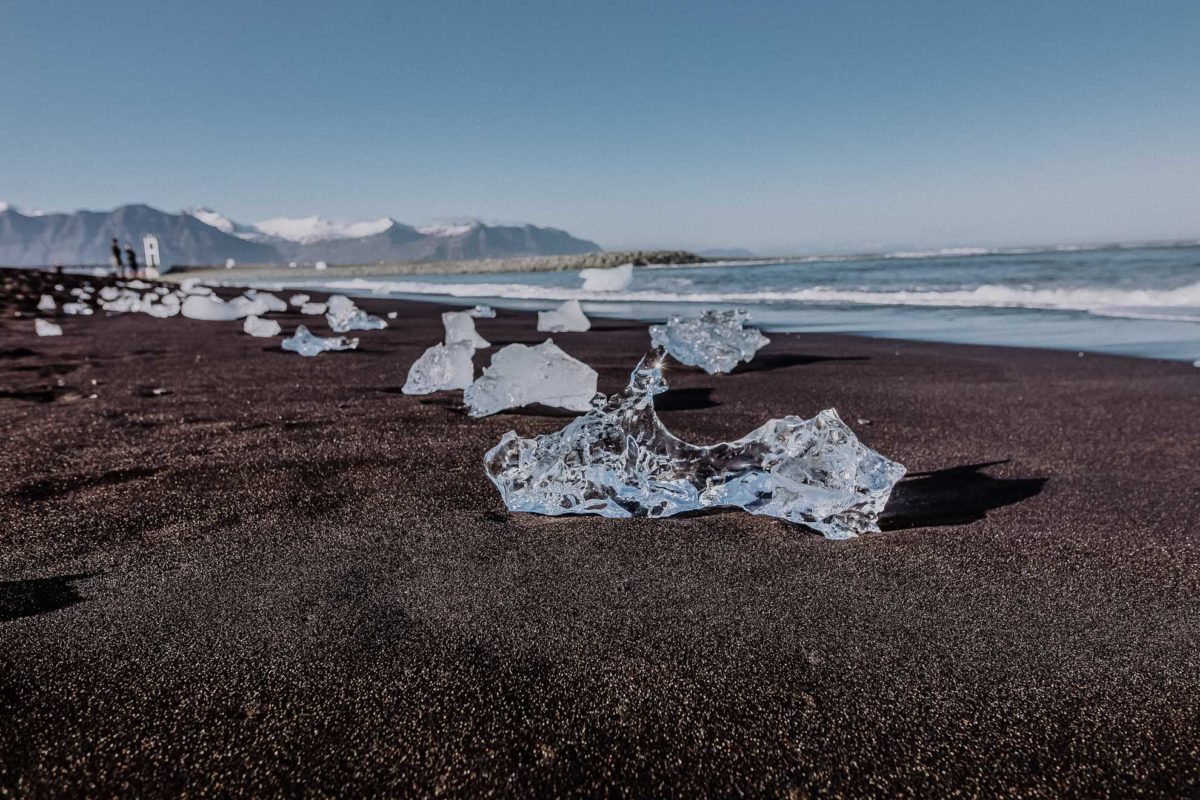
<point x="1182" y="303"/>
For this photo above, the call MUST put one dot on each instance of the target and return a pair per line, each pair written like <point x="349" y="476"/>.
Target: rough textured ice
<point x="257" y="326"/>
<point x="567" y="317"/>
<point x="520" y="375"/>
<point x="46" y="303"/>
<point x="45" y="328"/>
<point x="442" y="367"/>
<point x="619" y="461"/>
<point x="482" y="312"/>
<point x="460" y="327"/>
<point x="306" y="344"/>
<point x="613" y="279"/>
<point x="715" y="342"/>
<point x="343" y="316"/>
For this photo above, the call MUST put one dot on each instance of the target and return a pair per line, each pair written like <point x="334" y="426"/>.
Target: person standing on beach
<point x="131" y="260"/>
<point x="116" y="258"/>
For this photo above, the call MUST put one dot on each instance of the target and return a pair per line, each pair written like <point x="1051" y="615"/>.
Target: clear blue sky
<point x="778" y="126"/>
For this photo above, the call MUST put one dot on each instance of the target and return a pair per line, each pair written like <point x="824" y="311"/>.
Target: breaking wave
<point x="1180" y="304"/>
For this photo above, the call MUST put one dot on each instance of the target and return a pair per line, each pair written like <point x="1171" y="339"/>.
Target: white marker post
<point x="150" y="245"/>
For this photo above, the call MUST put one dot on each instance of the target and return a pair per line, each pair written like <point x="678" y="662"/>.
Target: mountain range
<point x="203" y="236"/>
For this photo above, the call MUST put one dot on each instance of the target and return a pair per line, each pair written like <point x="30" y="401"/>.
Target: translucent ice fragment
<point x="343" y="316"/>
<point x="306" y="344"/>
<point x="442" y="367"/>
<point x="298" y="300"/>
<point x="482" y="312"/>
<point x="618" y="460"/>
<point x="46" y="303"/>
<point x="45" y="328"/>
<point x="313" y="308"/>
<point x="257" y="326"/>
<point x="520" y="375"/>
<point x="715" y="342"/>
<point x="460" y="327"/>
<point x="567" y="317"/>
<point x="612" y="279"/>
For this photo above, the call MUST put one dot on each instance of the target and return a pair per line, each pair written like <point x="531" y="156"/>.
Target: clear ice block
<point x="567" y="317"/>
<point x="520" y="375"/>
<point x="306" y="344"/>
<point x="618" y="460"/>
<point x="441" y="368"/>
<point x="715" y="342"/>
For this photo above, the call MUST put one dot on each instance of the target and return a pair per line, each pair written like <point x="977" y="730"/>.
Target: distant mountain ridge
<point x="202" y="236"/>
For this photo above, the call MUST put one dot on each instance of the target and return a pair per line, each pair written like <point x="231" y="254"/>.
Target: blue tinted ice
<point x="618" y="460"/>
<point x="306" y="344"/>
<point x="715" y="342"/>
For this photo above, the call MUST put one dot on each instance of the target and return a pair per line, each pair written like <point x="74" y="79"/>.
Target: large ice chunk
<point x="257" y="326"/>
<point x="567" y="317"/>
<point x="619" y="461"/>
<point x="715" y="342"/>
<point x="612" y="279"/>
<point x="211" y="307"/>
<point x="45" y="328"/>
<point x="442" y="367"/>
<point x="343" y="315"/>
<point x="520" y="375"/>
<point x="460" y="327"/>
<point x="306" y="344"/>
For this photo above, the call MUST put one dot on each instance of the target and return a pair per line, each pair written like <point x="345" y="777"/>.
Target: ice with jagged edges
<point x="520" y="375"/>
<point x="716" y="341"/>
<point x="618" y="460"/>
<point x="343" y="315"/>
<point x="307" y="344"/>
<point x="460" y="327"/>
<point x="566" y="317"/>
<point x="441" y="368"/>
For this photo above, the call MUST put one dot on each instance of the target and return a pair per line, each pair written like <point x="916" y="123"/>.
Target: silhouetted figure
<point x="131" y="260"/>
<point x="116" y="258"/>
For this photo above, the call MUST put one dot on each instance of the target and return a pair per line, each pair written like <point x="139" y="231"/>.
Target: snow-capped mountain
<point x="204" y="236"/>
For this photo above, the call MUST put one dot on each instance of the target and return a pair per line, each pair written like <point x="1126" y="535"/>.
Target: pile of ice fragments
<point x="618" y="460"/>
<point x="716" y="341"/>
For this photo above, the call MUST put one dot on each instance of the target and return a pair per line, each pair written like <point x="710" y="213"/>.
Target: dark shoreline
<point x="280" y="575"/>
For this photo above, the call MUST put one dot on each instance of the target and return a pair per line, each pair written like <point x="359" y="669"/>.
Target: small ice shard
<point x="298" y="300"/>
<point x="460" y="327"/>
<point x="567" y="317"/>
<point x="230" y="263"/>
<point x="291" y="265"/>
<point x="618" y="460"/>
<point x="306" y="344"/>
<point x="46" y="303"/>
<point x="45" y="328"/>
<point x="109" y="293"/>
<point x="715" y="342"/>
<point x="257" y="326"/>
<point x="321" y="265"/>
<point x="313" y="308"/>
<point x="483" y="312"/>
<point x="76" y="308"/>
<point x="520" y="375"/>
<point x="342" y="315"/>
<point x="391" y="315"/>
<point x="440" y="368"/>
<point x="612" y="279"/>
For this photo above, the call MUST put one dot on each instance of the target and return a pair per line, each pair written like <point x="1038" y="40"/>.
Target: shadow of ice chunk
<point x="715" y="342"/>
<point x="520" y="375"/>
<point x="618" y="460"/>
<point x="306" y="344"/>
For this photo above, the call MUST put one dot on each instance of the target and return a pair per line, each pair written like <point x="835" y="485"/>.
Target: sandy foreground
<point x="227" y="570"/>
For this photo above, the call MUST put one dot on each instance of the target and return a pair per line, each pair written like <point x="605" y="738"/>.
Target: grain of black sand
<point x="238" y="572"/>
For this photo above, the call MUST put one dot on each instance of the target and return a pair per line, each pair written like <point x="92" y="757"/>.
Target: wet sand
<point x="234" y="571"/>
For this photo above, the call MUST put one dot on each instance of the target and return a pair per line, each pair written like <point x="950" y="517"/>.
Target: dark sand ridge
<point x="282" y="575"/>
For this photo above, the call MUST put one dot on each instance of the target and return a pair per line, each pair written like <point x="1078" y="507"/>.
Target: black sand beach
<point x="234" y="571"/>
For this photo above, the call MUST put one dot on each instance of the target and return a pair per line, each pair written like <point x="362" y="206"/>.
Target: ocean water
<point x="1139" y="301"/>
